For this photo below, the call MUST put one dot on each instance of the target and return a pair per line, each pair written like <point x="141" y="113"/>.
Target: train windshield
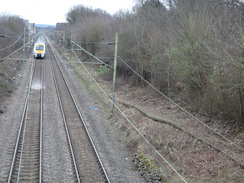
<point x="40" y="47"/>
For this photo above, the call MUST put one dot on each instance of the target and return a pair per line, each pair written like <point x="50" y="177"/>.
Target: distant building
<point x="62" y="26"/>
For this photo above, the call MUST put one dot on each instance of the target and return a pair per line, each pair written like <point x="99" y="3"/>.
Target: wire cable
<point x="91" y="54"/>
<point x="16" y="50"/>
<point x="20" y="48"/>
<point x="63" y="40"/>
<point x="12" y="43"/>
<point x="187" y="112"/>
<point x="131" y="123"/>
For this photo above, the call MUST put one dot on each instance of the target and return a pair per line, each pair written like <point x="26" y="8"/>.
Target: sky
<point x="53" y="11"/>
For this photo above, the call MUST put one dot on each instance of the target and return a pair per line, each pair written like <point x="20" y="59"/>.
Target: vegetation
<point x="102" y="69"/>
<point x="11" y="27"/>
<point x="189" y="49"/>
<point x="148" y="169"/>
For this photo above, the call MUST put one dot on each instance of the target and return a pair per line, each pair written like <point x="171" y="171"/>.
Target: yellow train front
<point x="39" y="50"/>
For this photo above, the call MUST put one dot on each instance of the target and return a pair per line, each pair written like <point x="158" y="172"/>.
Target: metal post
<point x="23" y="44"/>
<point x="29" y="31"/>
<point x="24" y="41"/>
<point x="115" y="67"/>
<point x="63" y="38"/>
<point x="71" y="46"/>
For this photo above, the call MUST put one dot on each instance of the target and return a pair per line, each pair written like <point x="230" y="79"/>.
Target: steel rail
<point x="82" y="119"/>
<point x="22" y="127"/>
<point x="41" y="124"/>
<point x="65" y="123"/>
<point x="22" y="123"/>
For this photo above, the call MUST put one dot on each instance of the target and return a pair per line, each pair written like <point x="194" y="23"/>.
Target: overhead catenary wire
<point x="131" y="123"/>
<point x="58" y="34"/>
<point x="62" y="46"/>
<point x="16" y="51"/>
<point x="187" y="112"/>
<point x="184" y="110"/>
<point x="27" y="43"/>
<point x="177" y="105"/>
<point x="91" y="140"/>
<point x="12" y="43"/>
<point x="91" y="54"/>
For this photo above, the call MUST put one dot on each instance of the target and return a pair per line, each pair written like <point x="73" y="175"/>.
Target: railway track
<point x="42" y="138"/>
<point x="87" y="163"/>
<point x="27" y="156"/>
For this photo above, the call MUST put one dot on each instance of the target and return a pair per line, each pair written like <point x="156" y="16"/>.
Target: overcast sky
<point x="53" y="11"/>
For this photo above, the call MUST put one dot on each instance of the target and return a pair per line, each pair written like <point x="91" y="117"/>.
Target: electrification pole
<point x="71" y="46"/>
<point x="115" y="67"/>
<point x="24" y="41"/>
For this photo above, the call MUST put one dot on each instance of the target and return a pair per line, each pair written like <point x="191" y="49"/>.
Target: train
<point x="39" y="50"/>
